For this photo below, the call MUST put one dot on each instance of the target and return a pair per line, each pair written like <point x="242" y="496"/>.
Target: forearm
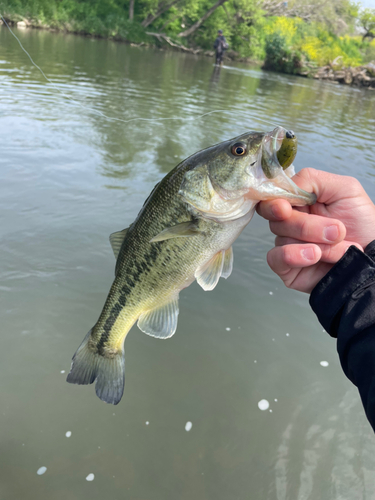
<point x="344" y="301"/>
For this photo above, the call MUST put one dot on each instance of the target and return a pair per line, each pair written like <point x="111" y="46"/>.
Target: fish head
<point x="229" y="179"/>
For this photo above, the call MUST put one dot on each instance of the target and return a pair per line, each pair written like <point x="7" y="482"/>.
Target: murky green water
<point x="69" y="177"/>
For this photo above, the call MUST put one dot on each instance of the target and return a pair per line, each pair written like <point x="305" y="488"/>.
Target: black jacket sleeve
<point x="344" y="301"/>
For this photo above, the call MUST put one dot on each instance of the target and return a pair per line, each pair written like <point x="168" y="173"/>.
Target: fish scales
<point x="183" y="232"/>
<point x="139" y="273"/>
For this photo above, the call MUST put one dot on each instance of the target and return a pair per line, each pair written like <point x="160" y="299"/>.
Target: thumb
<point x="328" y="187"/>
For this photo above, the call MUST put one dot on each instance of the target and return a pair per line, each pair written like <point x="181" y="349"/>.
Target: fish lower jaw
<point x="269" y="191"/>
<point x="282" y="187"/>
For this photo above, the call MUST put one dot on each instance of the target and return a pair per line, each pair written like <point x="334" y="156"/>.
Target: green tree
<point x="367" y="22"/>
<point x="337" y="16"/>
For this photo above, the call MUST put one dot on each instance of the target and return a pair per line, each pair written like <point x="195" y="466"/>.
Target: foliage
<point x="338" y="16"/>
<point x="303" y="34"/>
<point x="103" y="18"/>
<point x="292" y="45"/>
<point x="367" y="22"/>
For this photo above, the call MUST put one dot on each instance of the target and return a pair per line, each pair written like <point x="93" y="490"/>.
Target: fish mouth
<point x="274" y="181"/>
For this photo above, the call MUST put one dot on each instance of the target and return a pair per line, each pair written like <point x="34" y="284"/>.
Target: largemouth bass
<point x="184" y="232"/>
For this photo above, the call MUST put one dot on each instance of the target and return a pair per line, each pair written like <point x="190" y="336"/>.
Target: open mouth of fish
<point x="271" y="179"/>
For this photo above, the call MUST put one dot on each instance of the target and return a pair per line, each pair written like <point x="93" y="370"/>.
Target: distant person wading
<point x="220" y="46"/>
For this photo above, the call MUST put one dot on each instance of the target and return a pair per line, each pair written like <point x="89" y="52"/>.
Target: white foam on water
<point x="62" y="371"/>
<point x="287" y="334"/>
<point x="275" y="399"/>
<point x="270" y="411"/>
<point x="90" y="477"/>
<point x="147" y="423"/>
<point x="68" y="434"/>
<point x="324" y="363"/>
<point x="227" y="329"/>
<point x="188" y="426"/>
<point x="271" y="293"/>
<point x="255" y="361"/>
<point x="263" y="404"/>
<point x="41" y="470"/>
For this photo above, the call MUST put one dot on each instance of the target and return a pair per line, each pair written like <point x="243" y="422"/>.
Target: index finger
<point x="274" y="210"/>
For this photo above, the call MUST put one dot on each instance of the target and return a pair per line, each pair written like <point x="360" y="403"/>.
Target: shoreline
<point x="361" y="76"/>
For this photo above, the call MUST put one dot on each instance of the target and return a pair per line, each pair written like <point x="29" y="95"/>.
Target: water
<point x="68" y="179"/>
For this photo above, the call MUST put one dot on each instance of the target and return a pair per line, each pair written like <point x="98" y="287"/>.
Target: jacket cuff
<point x="348" y="275"/>
<point x="370" y="250"/>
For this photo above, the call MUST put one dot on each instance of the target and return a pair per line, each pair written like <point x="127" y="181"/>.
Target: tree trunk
<point x="161" y="9"/>
<point x="368" y="34"/>
<point x="131" y="10"/>
<point x="196" y="25"/>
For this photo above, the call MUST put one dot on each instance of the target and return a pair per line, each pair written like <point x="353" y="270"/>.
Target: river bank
<point x="361" y="76"/>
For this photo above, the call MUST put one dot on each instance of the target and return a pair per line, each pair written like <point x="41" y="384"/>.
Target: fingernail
<point x="308" y="253"/>
<point x="331" y="233"/>
<point x="276" y="212"/>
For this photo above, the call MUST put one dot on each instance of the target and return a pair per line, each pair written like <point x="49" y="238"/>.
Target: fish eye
<point x="238" y="149"/>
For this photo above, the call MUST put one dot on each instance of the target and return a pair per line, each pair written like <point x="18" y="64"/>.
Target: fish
<point x="184" y="232"/>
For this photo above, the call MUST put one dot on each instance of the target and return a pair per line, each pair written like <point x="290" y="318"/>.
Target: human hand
<point x="310" y="240"/>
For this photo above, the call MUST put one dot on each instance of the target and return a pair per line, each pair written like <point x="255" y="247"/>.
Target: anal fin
<point x="160" y="322"/>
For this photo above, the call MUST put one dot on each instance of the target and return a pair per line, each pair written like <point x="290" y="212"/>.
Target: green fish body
<point x="184" y="232"/>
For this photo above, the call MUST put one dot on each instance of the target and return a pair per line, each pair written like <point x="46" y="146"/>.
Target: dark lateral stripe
<point x="134" y="278"/>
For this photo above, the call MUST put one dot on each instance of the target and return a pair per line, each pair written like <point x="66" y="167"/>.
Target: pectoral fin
<point x="185" y="229"/>
<point x="116" y="240"/>
<point x="228" y="263"/>
<point x="160" y="322"/>
<point x="208" y="275"/>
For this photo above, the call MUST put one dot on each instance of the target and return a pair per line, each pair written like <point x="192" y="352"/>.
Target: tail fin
<point x="109" y="372"/>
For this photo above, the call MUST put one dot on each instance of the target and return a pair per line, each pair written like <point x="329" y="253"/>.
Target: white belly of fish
<point x="220" y="263"/>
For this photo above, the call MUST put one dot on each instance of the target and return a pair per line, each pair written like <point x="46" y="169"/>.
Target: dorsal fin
<point x="116" y="240"/>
